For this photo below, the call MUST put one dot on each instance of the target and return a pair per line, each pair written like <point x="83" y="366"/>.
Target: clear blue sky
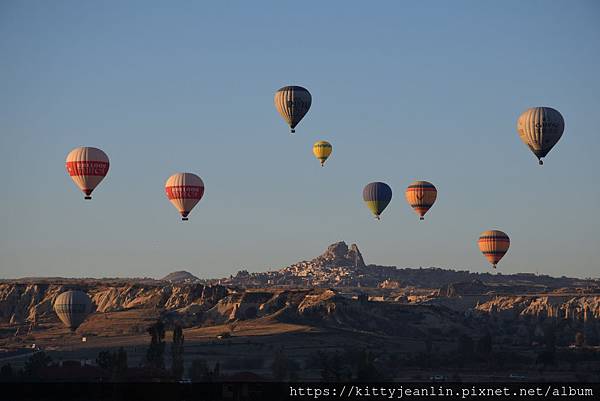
<point x="404" y="90"/>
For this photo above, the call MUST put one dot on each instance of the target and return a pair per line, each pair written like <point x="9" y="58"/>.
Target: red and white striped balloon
<point x="184" y="190"/>
<point x="87" y="167"/>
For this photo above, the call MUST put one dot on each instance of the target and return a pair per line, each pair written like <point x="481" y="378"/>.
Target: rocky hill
<point x="334" y="290"/>
<point x="30" y="302"/>
<point x="181" y="276"/>
<point x="129" y="309"/>
<point x="342" y="266"/>
<point x="584" y="308"/>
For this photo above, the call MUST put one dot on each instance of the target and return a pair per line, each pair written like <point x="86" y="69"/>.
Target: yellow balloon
<point x="322" y="150"/>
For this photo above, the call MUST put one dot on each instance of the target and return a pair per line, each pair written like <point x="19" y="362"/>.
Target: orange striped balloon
<point x="493" y="244"/>
<point x="184" y="190"/>
<point x="421" y="195"/>
<point x="87" y="167"/>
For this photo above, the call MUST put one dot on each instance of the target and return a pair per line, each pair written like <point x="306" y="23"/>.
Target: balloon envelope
<point x="292" y="102"/>
<point x="87" y="167"/>
<point x="540" y="128"/>
<point x="72" y="307"/>
<point x="421" y="195"/>
<point x="184" y="190"/>
<point x="377" y="195"/>
<point x="493" y="244"/>
<point x="322" y="150"/>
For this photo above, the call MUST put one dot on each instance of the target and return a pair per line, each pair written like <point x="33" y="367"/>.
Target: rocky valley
<point x="334" y="299"/>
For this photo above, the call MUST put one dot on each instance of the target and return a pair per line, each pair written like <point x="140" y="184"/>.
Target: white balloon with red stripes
<point x="184" y="191"/>
<point x="87" y="167"/>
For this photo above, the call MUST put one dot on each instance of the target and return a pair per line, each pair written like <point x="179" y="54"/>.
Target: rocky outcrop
<point x="29" y="303"/>
<point x="180" y="277"/>
<point x="344" y="266"/>
<point x="339" y="254"/>
<point x="474" y="287"/>
<point x="581" y="308"/>
<point x="403" y="315"/>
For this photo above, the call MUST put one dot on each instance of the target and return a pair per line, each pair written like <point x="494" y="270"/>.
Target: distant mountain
<point x="343" y="266"/>
<point x="181" y="276"/>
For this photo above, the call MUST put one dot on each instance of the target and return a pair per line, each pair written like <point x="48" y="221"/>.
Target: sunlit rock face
<point x="560" y="307"/>
<point x="21" y="303"/>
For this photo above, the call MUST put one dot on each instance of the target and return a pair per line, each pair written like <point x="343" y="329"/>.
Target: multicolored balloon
<point x="421" y="195"/>
<point x="322" y="150"/>
<point x="540" y="128"/>
<point x="87" y="168"/>
<point x="72" y="307"/>
<point x="184" y="190"/>
<point x="293" y="102"/>
<point x="493" y="244"/>
<point x="377" y="195"/>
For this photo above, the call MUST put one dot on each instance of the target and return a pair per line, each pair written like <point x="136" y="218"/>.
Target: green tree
<point x="177" y="353"/>
<point x="105" y="360"/>
<point x="333" y="368"/>
<point x="464" y="349"/>
<point x="155" y="356"/>
<point x="550" y="339"/>
<point x="280" y="367"/>
<point x="217" y="370"/>
<point x="546" y="357"/>
<point x="35" y="364"/>
<point x="484" y="345"/>
<point x="428" y="348"/>
<point x="365" y="367"/>
<point x="6" y="372"/>
<point x="465" y="345"/>
<point x="114" y="362"/>
<point x="199" y="370"/>
<point x="119" y="364"/>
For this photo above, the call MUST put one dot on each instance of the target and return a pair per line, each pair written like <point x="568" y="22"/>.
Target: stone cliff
<point x="582" y="308"/>
<point x="22" y="303"/>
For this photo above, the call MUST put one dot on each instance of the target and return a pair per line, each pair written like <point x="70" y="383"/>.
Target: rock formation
<point x="560" y="307"/>
<point x="27" y="303"/>
<point x="343" y="266"/>
<point x="181" y="276"/>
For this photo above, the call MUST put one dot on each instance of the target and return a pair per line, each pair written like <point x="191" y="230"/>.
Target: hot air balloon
<point x="493" y="244"/>
<point x="72" y="307"/>
<point x="377" y="195"/>
<point x="421" y="195"/>
<point x="184" y="190"/>
<point x="540" y="128"/>
<point x="322" y="150"/>
<point x="292" y="102"/>
<point x="87" y="167"/>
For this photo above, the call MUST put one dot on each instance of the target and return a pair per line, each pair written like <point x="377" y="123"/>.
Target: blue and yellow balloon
<point x="377" y="195"/>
